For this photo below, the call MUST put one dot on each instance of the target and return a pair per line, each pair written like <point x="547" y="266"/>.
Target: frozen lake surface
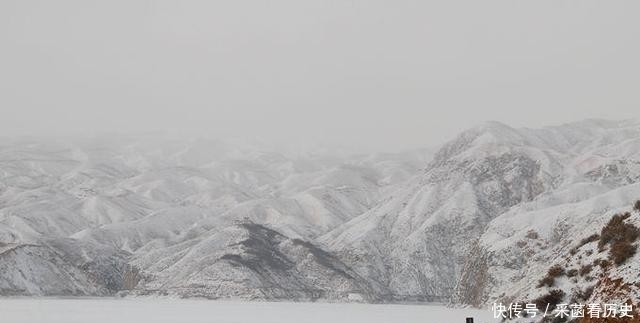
<point x="196" y="311"/>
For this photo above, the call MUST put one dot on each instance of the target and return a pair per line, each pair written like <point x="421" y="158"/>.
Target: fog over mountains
<point x="479" y="219"/>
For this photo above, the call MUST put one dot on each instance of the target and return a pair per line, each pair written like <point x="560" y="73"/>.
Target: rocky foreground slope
<point x="480" y="220"/>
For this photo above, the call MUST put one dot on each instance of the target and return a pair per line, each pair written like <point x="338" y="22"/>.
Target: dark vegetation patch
<point x="620" y="235"/>
<point x="581" y="296"/>
<point x="551" y="299"/>
<point x="618" y="230"/>
<point x="532" y="234"/>
<point x="260" y="251"/>
<point x="586" y="269"/>
<point x="552" y="273"/>
<point x="592" y="238"/>
<point x="556" y="271"/>
<point x="621" y="251"/>
<point x="602" y="263"/>
<point x="324" y="258"/>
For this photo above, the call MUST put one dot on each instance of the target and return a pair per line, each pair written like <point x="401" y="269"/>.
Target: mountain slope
<point x="476" y="222"/>
<point x="141" y="203"/>
<point x="417" y="242"/>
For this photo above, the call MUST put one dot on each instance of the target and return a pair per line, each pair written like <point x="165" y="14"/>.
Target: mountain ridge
<point x="411" y="226"/>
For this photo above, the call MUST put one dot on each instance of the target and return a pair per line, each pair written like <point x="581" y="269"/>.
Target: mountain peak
<point x="486" y="134"/>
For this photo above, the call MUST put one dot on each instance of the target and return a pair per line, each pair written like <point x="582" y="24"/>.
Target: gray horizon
<point x="380" y="75"/>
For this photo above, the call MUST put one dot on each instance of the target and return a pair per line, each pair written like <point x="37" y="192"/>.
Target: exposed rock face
<point x="427" y="225"/>
<point x="474" y="278"/>
<point x="131" y="278"/>
<point x="616" y="173"/>
<point x="255" y="262"/>
<point x="55" y="269"/>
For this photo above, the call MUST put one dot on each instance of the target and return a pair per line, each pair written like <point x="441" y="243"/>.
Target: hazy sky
<point x="379" y="74"/>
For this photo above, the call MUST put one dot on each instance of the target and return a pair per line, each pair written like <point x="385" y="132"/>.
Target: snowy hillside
<point x="486" y="184"/>
<point x="480" y="220"/>
<point x="185" y="217"/>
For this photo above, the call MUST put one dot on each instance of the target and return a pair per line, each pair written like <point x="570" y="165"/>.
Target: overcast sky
<point x="383" y="75"/>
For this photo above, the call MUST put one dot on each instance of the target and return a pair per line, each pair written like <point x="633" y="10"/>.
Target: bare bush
<point x="621" y="235"/>
<point x="621" y="251"/>
<point x="585" y="270"/>
<point x="618" y="230"/>
<point x="550" y="278"/>
<point x="551" y="299"/>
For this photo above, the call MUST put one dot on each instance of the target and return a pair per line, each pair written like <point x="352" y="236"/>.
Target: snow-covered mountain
<point x="479" y="220"/>
<point x="417" y="242"/>
<point x="187" y="217"/>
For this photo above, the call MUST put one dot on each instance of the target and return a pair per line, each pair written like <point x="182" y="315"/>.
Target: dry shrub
<point x="621" y="251"/>
<point x="555" y="271"/>
<point x="546" y="281"/>
<point x="621" y="235"/>
<point x="550" y="278"/>
<point x="618" y="230"/>
<point x="604" y="264"/>
<point x="551" y="299"/>
<point x="585" y="270"/>
<point x="589" y="239"/>
<point x="583" y="295"/>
